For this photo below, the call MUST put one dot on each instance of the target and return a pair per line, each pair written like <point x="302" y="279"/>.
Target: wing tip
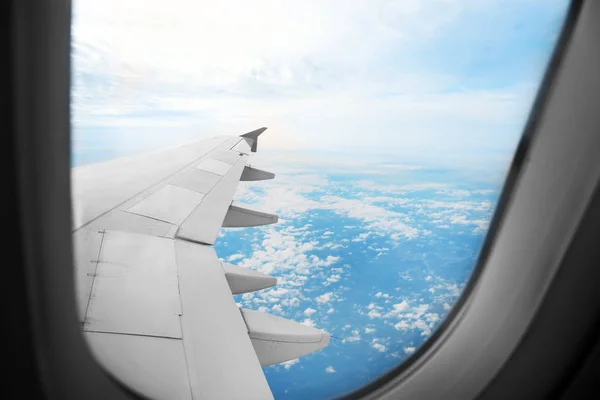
<point x="253" y="137"/>
<point x="255" y="133"/>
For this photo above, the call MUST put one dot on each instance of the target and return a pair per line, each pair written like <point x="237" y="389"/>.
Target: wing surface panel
<point x="170" y="204"/>
<point x="150" y="287"/>
<point x="98" y="188"/>
<point x="204" y="223"/>
<point x="135" y="287"/>
<point x="213" y="330"/>
<point x="154" y="367"/>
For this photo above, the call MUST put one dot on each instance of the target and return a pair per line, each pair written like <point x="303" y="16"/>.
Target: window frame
<point x="41" y="72"/>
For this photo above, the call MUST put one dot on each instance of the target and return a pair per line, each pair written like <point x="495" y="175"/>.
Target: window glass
<point x="392" y="125"/>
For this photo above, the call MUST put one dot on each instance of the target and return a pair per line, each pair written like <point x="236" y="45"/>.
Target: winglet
<point x="252" y="137"/>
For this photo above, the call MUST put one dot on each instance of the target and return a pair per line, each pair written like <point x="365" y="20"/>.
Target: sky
<point x="438" y="78"/>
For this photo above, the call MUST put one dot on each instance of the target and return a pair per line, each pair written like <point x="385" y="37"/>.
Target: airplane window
<point x="391" y="126"/>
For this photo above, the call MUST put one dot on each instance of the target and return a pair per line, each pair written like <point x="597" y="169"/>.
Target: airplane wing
<point x="155" y="303"/>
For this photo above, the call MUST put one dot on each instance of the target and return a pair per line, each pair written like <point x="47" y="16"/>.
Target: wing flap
<point x="255" y="174"/>
<point x="215" y="336"/>
<point x="135" y="288"/>
<point x="244" y="280"/>
<point x="203" y="225"/>
<point x="240" y="215"/>
<point x="154" y="367"/>
<point x="277" y="339"/>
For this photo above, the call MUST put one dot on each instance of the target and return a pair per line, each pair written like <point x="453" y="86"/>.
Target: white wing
<point x="155" y="303"/>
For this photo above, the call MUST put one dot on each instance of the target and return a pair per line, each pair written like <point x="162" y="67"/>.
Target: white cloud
<point x="402" y="325"/>
<point x="309" y="311"/>
<point x="308" y="322"/>
<point x="234" y="257"/>
<point x="454" y="193"/>
<point x="290" y="363"/>
<point x="409" y="350"/>
<point x="330" y="370"/>
<point x="294" y="302"/>
<point x="379" y="347"/>
<point x="398" y="308"/>
<point x="369" y="330"/>
<point x="376" y="219"/>
<point x="277" y="308"/>
<point x="325" y="298"/>
<point x="353" y="338"/>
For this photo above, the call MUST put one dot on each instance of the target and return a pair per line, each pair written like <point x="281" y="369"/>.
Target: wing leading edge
<point x="155" y="302"/>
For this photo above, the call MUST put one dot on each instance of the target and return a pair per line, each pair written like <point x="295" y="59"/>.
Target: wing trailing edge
<point x="255" y="174"/>
<point x="240" y="215"/>
<point x="244" y="280"/>
<point x="277" y="339"/>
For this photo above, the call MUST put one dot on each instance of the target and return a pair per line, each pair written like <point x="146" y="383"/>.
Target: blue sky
<point x="401" y="77"/>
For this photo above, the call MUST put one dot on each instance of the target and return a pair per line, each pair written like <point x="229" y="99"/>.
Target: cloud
<point x="376" y="219"/>
<point x="332" y="279"/>
<point x="327" y="77"/>
<point x="308" y="322"/>
<point x="353" y="338"/>
<point x="409" y="350"/>
<point x="369" y="330"/>
<point x="309" y="311"/>
<point x="290" y="363"/>
<point x="330" y="370"/>
<point x="284" y="249"/>
<point x="325" y="298"/>
<point x="379" y="347"/>
<point x="402" y="325"/>
<point x="277" y="308"/>
<point x="234" y="257"/>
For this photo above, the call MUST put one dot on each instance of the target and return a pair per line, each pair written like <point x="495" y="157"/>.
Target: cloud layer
<point x="388" y="75"/>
